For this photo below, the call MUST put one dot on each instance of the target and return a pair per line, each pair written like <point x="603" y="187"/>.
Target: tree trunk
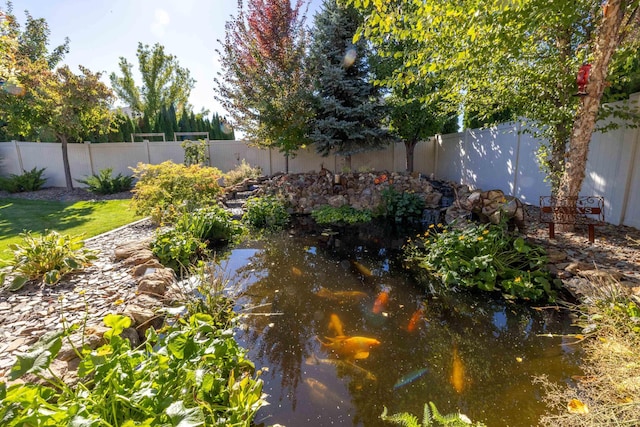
<point x="65" y="162"/>
<point x="607" y="41"/>
<point x="410" y="148"/>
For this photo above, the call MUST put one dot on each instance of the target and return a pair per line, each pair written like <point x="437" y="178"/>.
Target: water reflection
<point x="463" y="352"/>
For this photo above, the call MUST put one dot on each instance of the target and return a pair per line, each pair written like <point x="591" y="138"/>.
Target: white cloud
<point x="160" y="22"/>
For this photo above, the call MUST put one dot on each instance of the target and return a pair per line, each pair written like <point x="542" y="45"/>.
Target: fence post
<point x="630" y="172"/>
<point x="146" y="142"/>
<point x="88" y="145"/>
<point x="19" y="155"/>
<point x="516" y="168"/>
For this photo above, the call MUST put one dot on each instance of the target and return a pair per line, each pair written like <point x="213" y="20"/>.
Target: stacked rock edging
<point x="306" y="192"/>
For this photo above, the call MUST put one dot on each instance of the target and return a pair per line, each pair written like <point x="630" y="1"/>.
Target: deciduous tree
<point x="264" y="83"/>
<point x="520" y="56"/>
<point x="164" y="82"/>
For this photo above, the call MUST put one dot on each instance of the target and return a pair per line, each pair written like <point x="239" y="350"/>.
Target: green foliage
<point x="48" y="257"/>
<point x="195" y="153"/>
<point x="164" y="82"/>
<point x="190" y="374"/>
<point x="485" y="256"/>
<point x="164" y="191"/>
<point x="265" y="83"/>
<point x="348" y="106"/>
<point x="266" y="213"/>
<point x="403" y="206"/>
<point x="212" y="224"/>
<point x="344" y="214"/>
<point x="428" y="417"/>
<point x="105" y="183"/>
<point x="617" y="310"/>
<point x="241" y="172"/>
<point x="29" y="181"/>
<point x="177" y="249"/>
<point x="193" y="233"/>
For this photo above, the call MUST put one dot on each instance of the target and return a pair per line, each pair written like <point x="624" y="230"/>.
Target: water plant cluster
<point x="344" y="214"/>
<point x="483" y="256"/>
<point x="189" y="373"/>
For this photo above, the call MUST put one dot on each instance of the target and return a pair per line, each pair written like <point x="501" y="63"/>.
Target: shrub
<point x="484" y="256"/>
<point x="241" y="172"/>
<point x="48" y="257"/>
<point x="195" y="153"/>
<point x="212" y="225"/>
<point x="191" y="374"/>
<point x="266" y="213"/>
<point x="28" y="181"/>
<point x="165" y="190"/>
<point x="401" y="206"/>
<point x="177" y="249"/>
<point x="344" y="214"/>
<point x="105" y="183"/>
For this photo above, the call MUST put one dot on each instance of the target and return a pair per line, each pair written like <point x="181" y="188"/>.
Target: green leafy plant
<point x="344" y="214"/>
<point x="266" y="213"/>
<point x="190" y="374"/>
<point x="485" y="256"/>
<point x="166" y="190"/>
<point x="48" y="257"/>
<point x="429" y="416"/>
<point x="212" y="225"/>
<point x="28" y="181"/>
<point x="401" y="207"/>
<point x="177" y="249"/>
<point x="195" y="153"/>
<point x="105" y="183"/>
<point x="241" y="172"/>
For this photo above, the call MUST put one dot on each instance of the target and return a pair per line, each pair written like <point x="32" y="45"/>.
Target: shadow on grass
<point x="17" y="215"/>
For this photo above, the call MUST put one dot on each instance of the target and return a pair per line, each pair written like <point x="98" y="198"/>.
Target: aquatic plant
<point x="345" y="214"/>
<point x="266" y="213"/>
<point x="189" y="373"/>
<point x="401" y="206"/>
<point x="483" y="256"/>
<point x="429" y="416"/>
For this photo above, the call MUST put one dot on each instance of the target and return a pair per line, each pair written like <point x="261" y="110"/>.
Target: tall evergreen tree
<point x="348" y="106"/>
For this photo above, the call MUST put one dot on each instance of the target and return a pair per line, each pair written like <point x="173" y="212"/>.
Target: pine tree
<point x="172" y="120"/>
<point x="183" y="124"/>
<point x="349" y="110"/>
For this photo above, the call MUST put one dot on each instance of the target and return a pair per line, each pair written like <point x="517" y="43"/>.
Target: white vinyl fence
<point x="497" y="158"/>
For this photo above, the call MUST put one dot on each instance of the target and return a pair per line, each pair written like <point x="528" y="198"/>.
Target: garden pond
<point x="340" y="330"/>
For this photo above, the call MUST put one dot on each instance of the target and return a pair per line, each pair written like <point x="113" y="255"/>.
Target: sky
<point x="102" y="31"/>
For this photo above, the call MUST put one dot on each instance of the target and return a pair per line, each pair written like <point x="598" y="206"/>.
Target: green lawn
<point x="88" y="217"/>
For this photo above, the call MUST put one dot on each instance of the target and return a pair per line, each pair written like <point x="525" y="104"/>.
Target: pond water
<point x="340" y="330"/>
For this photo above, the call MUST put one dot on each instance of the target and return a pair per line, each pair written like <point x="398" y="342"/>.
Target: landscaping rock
<point x="129" y="249"/>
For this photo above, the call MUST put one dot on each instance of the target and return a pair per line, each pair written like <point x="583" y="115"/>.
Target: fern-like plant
<point x="429" y="416"/>
<point x="105" y="183"/>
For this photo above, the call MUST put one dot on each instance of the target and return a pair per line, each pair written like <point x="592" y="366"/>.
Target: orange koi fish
<point x="320" y="393"/>
<point x="335" y="325"/>
<point x="341" y="296"/>
<point x="351" y="347"/>
<point x="415" y="318"/>
<point x="381" y="302"/>
<point x="457" y="378"/>
<point x="296" y="271"/>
